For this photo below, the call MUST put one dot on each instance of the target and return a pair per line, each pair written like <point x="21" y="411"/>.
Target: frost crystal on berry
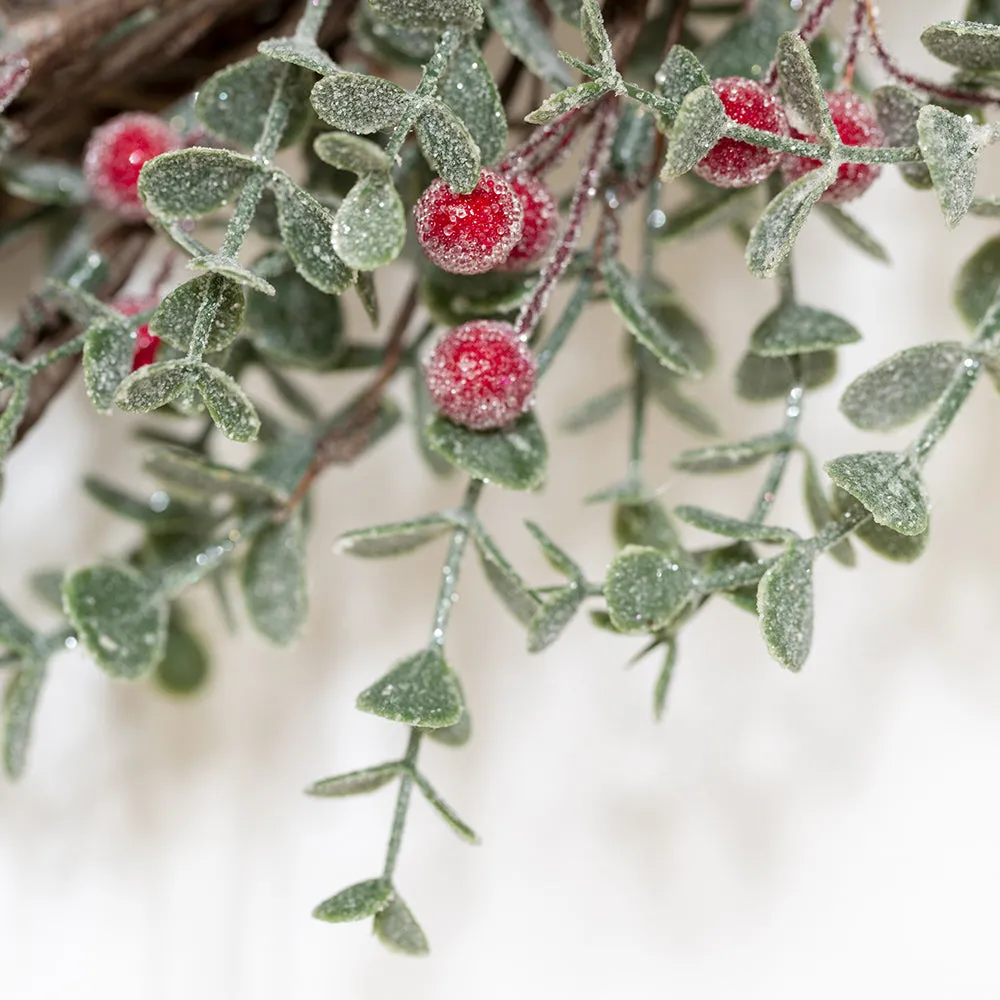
<point x="469" y="233"/>
<point x="856" y="125"/>
<point x="733" y="164"/>
<point x="115" y="154"/>
<point x="146" y="343"/>
<point x="540" y="218"/>
<point x="481" y="375"/>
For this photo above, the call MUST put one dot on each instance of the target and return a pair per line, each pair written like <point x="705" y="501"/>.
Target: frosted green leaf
<point x="356" y="902"/>
<point x="389" y="44"/>
<point x="883" y="541"/>
<point x="188" y="183"/>
<point x="761" y="379"/>
<point x="699" y="125"/>
<point x="444" y="810"/>
<point x="468" y="89"/>
<point x="732" y="457"/>
<point x="821" y="513"/>
<point x="436" y="14"/>
<point x="963" y="44"/>
<point x="514" y="457"/>
<point x="398" y="929"/>
<point x="174" y="319"/>
<point x="13" y="413"/>
<point x="516" y="22"/>
<point x="350" y="152"/>
<point x="663" y="304"/>
<point x="727" y="559"/>
<point x="712" y="208"/>
<point x="419" y="691"/>
<point x="79" y="304"/>
<point x="299" y="52"/>
<point x="595" y="36"/>
<point x="889" y="486"/>
<point x="554" y="555"/>
<point x="802" y="89"/>
<point x="454" y="298"/>
<point x="986" y="206"/>
<point x="228" y="405"/>
<point x="368" y="779"/>
<point x="14" y="634"/>
<point x="184" y="667"/>
<point x="680" y="74"/>
<point x="299" y="326"/>
<point x="902" y="387"/>
<point x="785" y="606"/>
<point x="564" y="101"/>
<point x="854" y="232"/>
<point x="950" y="146"/>
<point x="642" y="323"/>
<point x="354" y="102"/>
<point x="595" y="410"/>
<point x="553" y="616"/>
<point x="505" y="580"/>
<point x="747" y="48"/>
<point x="107" y="361"/>
<point x="983" y="11"/>
<point x="46" y="585"/>
<point x="19" y="704"/>
<point x="369" y="229"/>
<point x="773" y="237"/>
<point x="666" y="674"/>
<point x="796" y="329"/>
<point x="393" y="539"/>
<point x="274" y="581"/>
<point x="365" y="288"/>
<point x="44" y="182"/>
<point x="153" y="386"/>
<point x="120" y="620"/>
<point x="448" y="147"/>
<point x="731" y="527"/>
<point x="285" y="461"/>
<point x="898" y="111"/>
<point x="978" y="282"/>
<point x="454" y="736"/>
<point x="229" y="268"/>
<point x="632" y="148"/>
<point x="647" y="524"/>
<point x="645" y="589"/>
<point x="197" y="478"/>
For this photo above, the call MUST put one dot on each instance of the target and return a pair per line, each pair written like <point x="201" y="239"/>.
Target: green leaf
<point x="898" y="111"/>
<point x="419" y="691"/>
<point x="306" y="227"/>
<point x="731" y="527"/>
<point x="709" y="209"/>
<point x="889" y="486"/>
<point x="369" y="229"/>
<point x="978" y="283"/>
<point x="760" y="379"/>
<point x="350" y="152"/>
<point x="354" y="102"/>
<point x="394" y="539"/>
<point x="448" y="147"/>
<point x="663" y="680"/>
<point x="368" y="779"/>
<point x="854" y="232"/>
<point x="46" y="585"/>
<point x="234" y="103"/>
<point x="595" y="36"/>
<point x="468" y="89"/>
<point x="14" y="634"/>
<point x="821" y="513"/>
<point x="505" y="580"/>
<point x="228" y="405"/>
<point x="12" y="415"/>
<point x="785" y="606"/>
<point x="595" y="410"/>
<point x="983" y="11"/>
<point x="356" y="902"/>
<point x="120" y="620"/>
<point x="188" y="183"/>
<point x="194" y="476"/>
<point x="774" y="235"/>
<point x="516" y="22"/>
<point x="227" y="267"/>
<point x="274" y="581"/>
<point x="645" y="589"/>
<point x="150" y="513"/>
<point x="554" y="555"/>
<point x="796" y="329"/>
<point x="454" y="298"/>
<point x="700" y="124"/>
<point x="44" y="182"/>
<point x="950" y="146"/>
<point x="454" y="736"/>
<point x="881" y="540"/>
<point x="746" y="49"/>
<point x="19" y="705"/>
<point x="398" y="929"/>
<point x="298" y="52"/>
<point x="514" y="457"/>
<point x="732" y="457"/>
<point x="632" y="148"/>
<point x="184" y="667"/>
<point x="968" y="46"/>
<point x="725" y="559"/>
<point x="153" y="386"/>
<point x="802" y="89"/>
<point x="564" y="101"/>
<point x="174" y="319"/>
<point x="642" y="323"/>
<point x="553" y="616"/>
<point x="902" y="387"/>
<point x="434" y="14"/>
<point x="681" y="74"/>
<point x="444" y="810"/>
<point x="645" y="523"/>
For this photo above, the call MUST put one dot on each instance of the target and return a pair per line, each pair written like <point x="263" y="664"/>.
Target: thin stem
<point x="71" y="347"/>
<point x="453" y="563"/>
<point x="818" y="151"/>
<point x="312" y="20"/>
<point x="855" y="33"/>
<point x="402" y="804"/>
<point x="638" y="435"/>
<point x="779" y="462"/>
<point x="535" y="154"/>
<point x="946" y="410"/>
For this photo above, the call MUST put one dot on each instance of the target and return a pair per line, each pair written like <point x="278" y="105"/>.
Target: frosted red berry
<point x="733" y="164"/>
<point x="146" y="344"/>
<point x="115" y="154"/>
<point x="469" y="233"/>
<point x="857" y="126"/>
<point x="541" y="216"/>
<point x="481" y="375"/>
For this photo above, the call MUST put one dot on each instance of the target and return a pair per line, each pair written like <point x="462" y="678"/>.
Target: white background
<point x="777" y="836"/>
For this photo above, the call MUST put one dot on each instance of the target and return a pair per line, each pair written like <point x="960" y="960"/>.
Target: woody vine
<point x="758" y="109"/>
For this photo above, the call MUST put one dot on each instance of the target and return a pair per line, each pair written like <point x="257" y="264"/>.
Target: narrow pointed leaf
<point x="350" y="152"/>
<point x="419" y="691"/>
<point x="731" y="527"/>
<point x="19" y="705"/>
<point x="505" y="580"/>
<point x="107" y="361"/>
<point x="731" y="457"/>
<point x="821" y="511"/>
<point x="595" y="410"/>
<point x="394" y="539"/>
<point x="898" y="111"/>
<point x="564" y="101"/>
<point x="445" y="811"/>
<point x="854" y="232"/>
<point x="555" y="613"/>
<point x="368" y="779"/>
<point x="15" y="634"/>
<point x="554" y="555"/>
<point x="801" y="86"/>
<point x="398" y="930"/>
<point x="950" y="145"/>
<point x="595" y="35"/>
<point x="356" y="902"/>
<point x="785" y="606"/>
<point x="13" y="413"/>
<point x="663" y="680"/>
<point x="888" y="485"/>
<point x="964" y="44"/>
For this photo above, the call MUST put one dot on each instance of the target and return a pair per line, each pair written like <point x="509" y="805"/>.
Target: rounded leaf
<point x="369" y="229"/>
<point x="785" y="606"/>
<point x="978" y="282"/>
<point x="796" y="329"/>
<point x="355" y="102"/>
<point x="174" y="319"/>
<point x="645" y="589"/>
<point x="888" y="485"/>
<point x="189" y="183"/>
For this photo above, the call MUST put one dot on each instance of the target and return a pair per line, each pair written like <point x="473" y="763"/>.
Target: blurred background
<point x="777" y="836"/>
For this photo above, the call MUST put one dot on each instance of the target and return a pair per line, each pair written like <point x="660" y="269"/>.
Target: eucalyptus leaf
<point x="978" y="282"/>
<point x="888" y="484"/>
<point x="854" y="232"/>
<point x="432" y="14"/>
<point x="44" y="182"/>
<point x="732" y="457"/>
<point x="183" y="669"/>
<point x="964" y="44"/>
<point x="595" y="410"/>
<point x="793" y="329"/>
<point x="107" y="360"/>
<point x="419" y="691"/>
<point x="731" y="527"/>
<point x="822" y="513"/>
<point x="663" y="680"/>
<point x="298" y="52"/>
<point x="153" y="386"/>
<point x="350" y="152"/>
<point x="448" y="146"/>
<point x="398" y="930"/>
<point x="950" y="146"/>
<point x="369" y="229"/>
<point x="19" y="705"/>
<point x="700" y="124"/>
<point x="228" y="267"/>
<point x="555" y="613"/>
<point x="645" y="589"/>
<point x="564" y="101"/>
<point x="356" y="902"/>
<point x="175" y="317"/>
<point x="748" y="46"/>
<point x="274" y="581"/>
<point x="881" y="540"/>
<point x="898" y="111"/>
<point x="228" y="405"/>
<point x="802" y="89"/>
<point x="468" y="89"/>
<point x="194" y="476"/>
<point x="368" y="779"/>
<point x="785" y="606"/>
<point x="645" y="522"/>
<point x="760" y="379"/>
<point x="445" y="811"/>
<point x="680" y="74"/>
<point x="516" y="22"/>
<point x="188" y="183"/>
<point x="12" y="415"/>
<point x="354" y="102"/>
<point x="505" y="580"/>
<point x="15" y="635"/>
<point x="394" y="539"/>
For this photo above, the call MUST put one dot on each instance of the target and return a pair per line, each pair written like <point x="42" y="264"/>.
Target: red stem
<point x="560" y="132"/>
<point x="810" y="26"/>
<point x="855" y="33"/>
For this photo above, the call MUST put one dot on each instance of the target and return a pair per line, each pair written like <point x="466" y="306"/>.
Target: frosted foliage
<point x="735" y="164"/>
<point x="785" y="606"/>
<point x="470" y="92"/>
<point x="448" y="146"/>
<point x="153" y="386"/>
<point x="107" y="360"/>
<point x="472" y="233"/>
<point x="175" y="318"/>
<point x="963" y="44"/>
<point x="393" y="539"/>
<point x="897" y="110"/>
<point x="796" y="329"/>
<point x="481" y="375"/>
<point x="20" y="700"/>
<point x="419" y="691"/>
<point x="644" y="589"/>
<point x="950" y="145"/>
<point x="353" y="102"/>
<point x="398" y="930"/>
<point x="274" y="582"/>
<point x="227" y="404"/>
<point x="467" y="14"/>
<point x="356" y="902"/>
<point x="192" y="182"/>
<point x="369" y="228"/>
<point x="889" y="486"/>
<point x="516" y="22"/>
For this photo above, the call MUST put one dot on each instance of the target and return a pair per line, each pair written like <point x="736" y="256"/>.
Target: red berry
<point x="857" y="126"/>
<point x="469" y="233"/>
<point x="115" y="154"/>
<point x="733" y="164"/>
<point x="146" y="343"/>
<point x="481" y="375"/>
<point x="540" y="218"/>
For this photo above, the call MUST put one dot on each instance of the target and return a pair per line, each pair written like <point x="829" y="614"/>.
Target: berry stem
<point x="570" y="314"/>
<point x="855" y="33"/>
<point x="809" y="27"/>
<point x="402" y="804"/>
